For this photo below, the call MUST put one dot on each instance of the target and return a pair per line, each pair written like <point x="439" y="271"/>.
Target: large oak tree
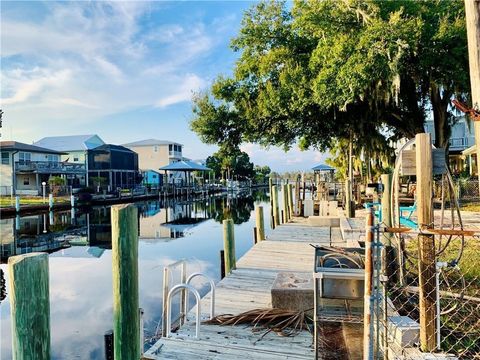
<point x="321" y="71"/>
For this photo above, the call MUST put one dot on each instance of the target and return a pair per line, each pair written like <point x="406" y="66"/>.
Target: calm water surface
<point x="81" y="274"/>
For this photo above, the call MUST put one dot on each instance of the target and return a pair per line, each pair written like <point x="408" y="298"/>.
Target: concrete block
<point x="307" y="207"/>
<point x="292" y="291"/>
<point x="404" y="330"/>
<point x="329" y="221"/>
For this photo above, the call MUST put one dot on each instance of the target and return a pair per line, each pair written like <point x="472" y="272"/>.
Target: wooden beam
<point x="368" y="301"/>
<point x="260" y="223"/>
<point x="30" y="306"/>
<point x="426" y="263"/>
<point x="276" y="211"/>
<point x="472" y="19"/>
<point x="229" y="245"/>
<point x="126" y="318"/>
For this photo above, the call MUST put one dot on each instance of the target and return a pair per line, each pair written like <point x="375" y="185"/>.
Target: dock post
<point x="222" y="264"/>
<point x="290" y="201"/>
<point x="108" y="343"/>
<point x="260" y="223"/>
<point x="427" y="262"/>
<point x="270" y="185"/>
<point x="386" y="219"/>
<point x="17" y="203"/>
<point x="229" y="245"/>
<point x="50" y="201"/>
<point x="126" y="322"/>
<point x="255" y="237"/>
<point x="72" y="201"/>
<point x="368" y="301"/>
<point x="276" y="210"/>
<point x="30" y="306"/>
<point x="285" y="203"/>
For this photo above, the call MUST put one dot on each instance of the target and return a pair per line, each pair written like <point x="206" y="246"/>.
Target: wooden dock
<point x="246" y="288"/>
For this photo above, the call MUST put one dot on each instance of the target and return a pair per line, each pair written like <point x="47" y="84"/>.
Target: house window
<point x="24" y="157"/>
<point x="5" y="158"/>
<point x="154" y="176"/>
<point x="52" y="158"/>
<point x="26" y="181"/>
<point x="75" y="159"/>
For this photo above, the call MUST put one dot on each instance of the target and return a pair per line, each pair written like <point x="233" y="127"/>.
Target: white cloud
<point x="25" y="85"/>
<point x="190" y="84"/>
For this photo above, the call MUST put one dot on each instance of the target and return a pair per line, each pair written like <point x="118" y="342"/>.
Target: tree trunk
<point x="440" y="116"/>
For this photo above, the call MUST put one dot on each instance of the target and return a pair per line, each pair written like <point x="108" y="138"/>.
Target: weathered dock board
<point x="246" y="288"/>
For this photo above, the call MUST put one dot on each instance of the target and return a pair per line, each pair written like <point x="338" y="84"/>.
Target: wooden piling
<point x="50" y="201"/>
<point x="298" y="202"/>
<point x="260" y="224"/>
<point x="290" y="201"/>
<point x="472" y="20"/>
<point x="276" y="210"/>
<point x="126" y="322"/>
<point x="17" y="204"/>
<point x="390" y="254"/>
<point x="285" y="203"/>
<point x="222" y="264"/>
<point x="255" y="235"/>
<point x="426" y="263"/>
<point x="368" y="303"/>
<point x="229" y="245"/>
<point x="30" y="306"/>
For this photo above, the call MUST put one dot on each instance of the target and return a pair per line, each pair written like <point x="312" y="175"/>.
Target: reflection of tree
<point x="237" y="209"/>
<point x="3" y="290"/>
<point x="261" y="195"/>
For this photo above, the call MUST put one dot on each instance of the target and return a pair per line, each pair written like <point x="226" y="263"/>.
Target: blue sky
<point x="123" y="70"/>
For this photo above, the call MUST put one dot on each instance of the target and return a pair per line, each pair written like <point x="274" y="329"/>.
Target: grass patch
<point x="7" y="201"/>
<point x="471" y="207"/>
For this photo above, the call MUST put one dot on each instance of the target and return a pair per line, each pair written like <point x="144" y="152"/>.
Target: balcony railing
<point x="461" y="143"/>
<point x="177" y="154"/>
<point x="50" y="167"/>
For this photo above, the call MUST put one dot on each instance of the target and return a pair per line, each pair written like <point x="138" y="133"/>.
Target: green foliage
<point x="261" y="174"/>
<point x="318" y="71"/>
<point x="98" y="180"/>
<point x="233" y="161"/>
<point x="56" y="181"/>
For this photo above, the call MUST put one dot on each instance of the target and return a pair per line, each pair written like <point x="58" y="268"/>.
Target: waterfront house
<point x="24" y="167"/>
<point x="461" y="139"/>
<point x="152" y="178"/>
<point x="74" y="149"/>
<point x="113" y="166"/>
<point x="154" y="154"/>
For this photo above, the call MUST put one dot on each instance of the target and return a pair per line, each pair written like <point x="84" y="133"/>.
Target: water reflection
<point x="80" y="262"/>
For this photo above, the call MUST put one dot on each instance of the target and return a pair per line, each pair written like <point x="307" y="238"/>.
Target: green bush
<point x="56" y="181"/>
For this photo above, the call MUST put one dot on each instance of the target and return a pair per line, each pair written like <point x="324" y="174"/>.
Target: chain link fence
<point x="425" y="301"/>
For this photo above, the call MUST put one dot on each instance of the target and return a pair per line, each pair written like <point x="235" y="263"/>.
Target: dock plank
<point x="287" y="248"/>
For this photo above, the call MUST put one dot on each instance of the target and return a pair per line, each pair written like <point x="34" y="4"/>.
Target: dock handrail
<point x="166" y="290"/>
<point x="212" y="290"/>
<point x="172" y="292"/>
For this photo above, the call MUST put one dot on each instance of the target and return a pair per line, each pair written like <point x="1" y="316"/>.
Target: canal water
<point x="80" y="265"/>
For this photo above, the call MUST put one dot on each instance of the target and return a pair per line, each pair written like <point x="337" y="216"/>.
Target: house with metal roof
<point x="74" y="149"/>
<point x="75" y="146"/>
<point x="24" y="167"/>
<point x="154" y="154"/>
